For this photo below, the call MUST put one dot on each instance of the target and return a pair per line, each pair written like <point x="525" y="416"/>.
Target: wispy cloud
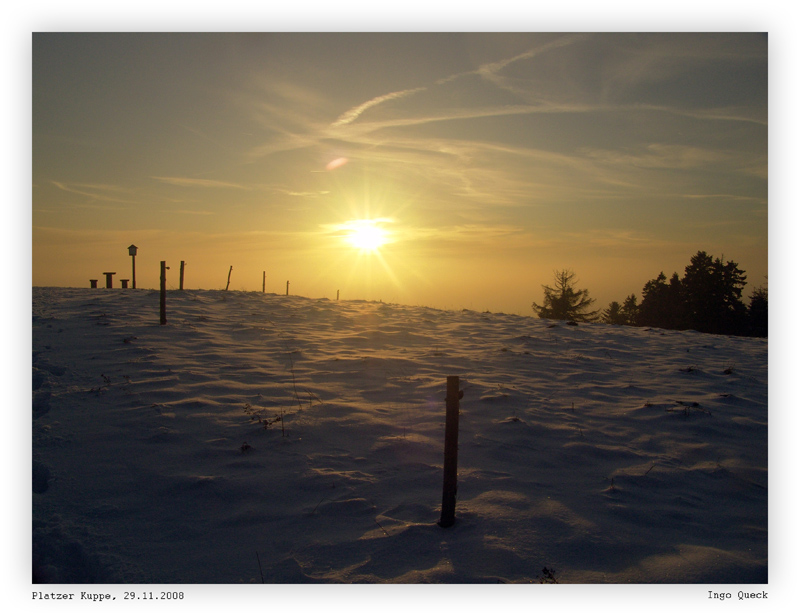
<point x="405" y="139"/>
<point x="724" y="197"/>
<point x="199" y="183"/>
<point x="490" y="70"/>
<point x="660" y="156"/>
<point x="96" y="192"/>
<point x="302" y="193"/>
<point x="353" y="114"/>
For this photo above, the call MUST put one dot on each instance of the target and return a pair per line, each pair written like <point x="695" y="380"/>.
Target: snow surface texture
<point x="599" y="453"/>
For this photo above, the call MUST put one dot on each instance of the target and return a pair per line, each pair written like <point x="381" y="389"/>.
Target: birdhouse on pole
<point x="132" y="252"/>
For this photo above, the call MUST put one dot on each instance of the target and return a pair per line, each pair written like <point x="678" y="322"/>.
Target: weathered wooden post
<point x="109" y="281"/>
<point x="264" y="282"/>
<point x="287" y="287"/>
<point x="229" y="278"/>
<point x="132" y="252"/>
<point x="164" y="269"/>
<point x="450" y="486"/>
<point x="181" y="284"/>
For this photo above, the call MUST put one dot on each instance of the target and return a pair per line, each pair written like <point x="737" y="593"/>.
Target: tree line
<point x="708" y="298"/>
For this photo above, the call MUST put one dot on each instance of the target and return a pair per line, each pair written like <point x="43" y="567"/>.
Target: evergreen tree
<point x="621" y="315"/>
<point x="712" y="295"/>
<point x="757" y="313"/>
<point x="630" y="310"/>
<point x="613" y="314"/>
<point x="563" y="302"/>
<point x="662" y="303"/>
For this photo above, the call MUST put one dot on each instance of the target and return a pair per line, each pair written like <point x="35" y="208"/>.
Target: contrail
<point x="352" y="114"/>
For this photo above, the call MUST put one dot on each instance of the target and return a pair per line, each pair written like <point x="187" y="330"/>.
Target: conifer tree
<point x="563" y="302"/>
<point x="662" y="303"/>
<point x="758" y="313"/>
<point x="613" y="314"/>
<point x="712" y="295"/>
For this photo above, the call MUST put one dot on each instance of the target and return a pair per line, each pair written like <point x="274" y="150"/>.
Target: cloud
<point x="199" y="183"/>
<point x="659" y="156"/>
<point x="97" y="192"/>
<point x="725" y="197"/>
<point x="490" y="70"/>
<point x="353" y="114"/>
<point x="296" y="193"/>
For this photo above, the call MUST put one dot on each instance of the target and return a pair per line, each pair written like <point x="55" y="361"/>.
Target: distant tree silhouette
<point x="662" y="303"/>
<point x="630" y="310"/>
<point x="563" y="302"/>
<point x="707" y="298"/>
<point x="757" y="312"/>
<point x="712" y="295"/>
<point x="621" y="315"/>
<point x="613" y="314"/>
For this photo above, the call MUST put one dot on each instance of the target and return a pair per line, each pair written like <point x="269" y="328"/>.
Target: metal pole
<point x="133" y="258"/>
<point x="450" y="486"/>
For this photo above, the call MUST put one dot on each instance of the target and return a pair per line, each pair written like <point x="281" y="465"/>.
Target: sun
<point x="366" y="235"/>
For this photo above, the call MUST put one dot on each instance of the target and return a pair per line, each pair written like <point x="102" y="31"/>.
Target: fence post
<point x="163" y="293"/>
<point x="264" y="282"/>
<point x="181" y="283"/>
<point x="449" y="486"/>
<point x="229" y="278"/>
<point x="287" y="287"/>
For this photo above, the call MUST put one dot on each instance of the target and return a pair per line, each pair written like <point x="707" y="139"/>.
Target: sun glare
<point x="366" y="235"/>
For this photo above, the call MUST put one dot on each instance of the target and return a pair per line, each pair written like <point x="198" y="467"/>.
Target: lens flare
<point x="336" y="163"/>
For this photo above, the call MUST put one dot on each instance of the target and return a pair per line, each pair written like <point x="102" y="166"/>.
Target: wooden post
<point x="109" y="279"/>
<point x="181" y="284"/>
<point x="450" y="486"/>
<point x="229" y="278"/>
<point x="287" y="287"/>
<point x="264" y="282"/>
<point x="124" y="282"/>
<point x="93" y="283"/>
<point x="337" y="295"/>
<point x="163" y="293"/>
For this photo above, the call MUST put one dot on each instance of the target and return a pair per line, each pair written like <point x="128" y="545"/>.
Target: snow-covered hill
<point x="597" y="453"/>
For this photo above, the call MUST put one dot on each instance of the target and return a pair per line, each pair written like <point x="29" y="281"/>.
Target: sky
<point x="483" y="162"/>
